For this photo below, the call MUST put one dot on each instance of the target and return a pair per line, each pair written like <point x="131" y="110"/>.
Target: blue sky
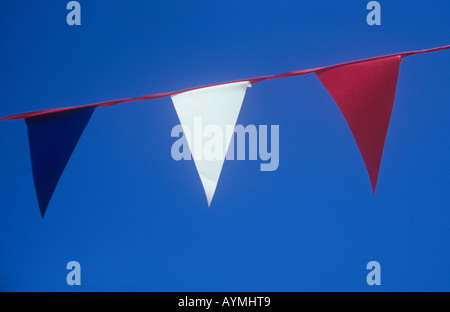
<point x="137" y="220"/>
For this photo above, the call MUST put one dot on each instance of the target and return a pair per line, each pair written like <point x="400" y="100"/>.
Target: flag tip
<point x="374" y="187"/>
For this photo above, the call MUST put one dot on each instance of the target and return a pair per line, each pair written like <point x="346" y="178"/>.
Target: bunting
<point x="365" y="95"/>
<point x="364" y="91"/>
<point x="52" y="139"/>
<point x="217" y="106"/>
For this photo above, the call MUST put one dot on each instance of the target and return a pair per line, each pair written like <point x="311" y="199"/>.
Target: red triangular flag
<point x="365" y="93"/>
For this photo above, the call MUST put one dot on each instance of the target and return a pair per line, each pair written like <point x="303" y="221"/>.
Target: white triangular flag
<point x="206" y="116"/>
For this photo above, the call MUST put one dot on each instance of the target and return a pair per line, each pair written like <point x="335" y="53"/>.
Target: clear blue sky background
<point x="138" y="220"/>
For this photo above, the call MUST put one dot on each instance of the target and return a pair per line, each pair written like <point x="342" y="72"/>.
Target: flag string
<point x="251" y="80"/>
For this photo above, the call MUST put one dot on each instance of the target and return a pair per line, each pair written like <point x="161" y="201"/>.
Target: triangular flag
<point x="53" y="138"/>
<point x="218" y="108"/>
<point x="365" y="93"/>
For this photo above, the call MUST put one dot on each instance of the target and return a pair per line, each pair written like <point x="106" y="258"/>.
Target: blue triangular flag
<point x="53" y="138"/>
